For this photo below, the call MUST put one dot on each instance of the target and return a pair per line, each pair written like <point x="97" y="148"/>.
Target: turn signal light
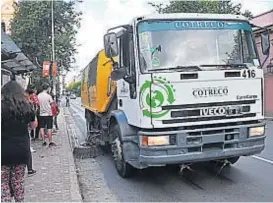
<point x="144" y="141"/>
<point x="155" y="140"/>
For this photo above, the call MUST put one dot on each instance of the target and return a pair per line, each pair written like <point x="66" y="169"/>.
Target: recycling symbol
<point x="155" y="94"/>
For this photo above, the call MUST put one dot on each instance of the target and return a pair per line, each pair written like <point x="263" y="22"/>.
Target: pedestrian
<point x="55" y="112"/>
<point x="37" y="130"/>
<point x="30" y="170"/>
<point x="67" y="100"/>
<point x="35" y="103"/>
<point x="46" y="118"/>
<point x="33" y="99"/>
<point x="16" y="116"/>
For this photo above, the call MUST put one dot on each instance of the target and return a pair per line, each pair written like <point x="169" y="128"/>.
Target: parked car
<point x="73" y="96"/>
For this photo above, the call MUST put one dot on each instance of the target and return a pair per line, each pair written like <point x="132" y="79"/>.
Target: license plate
<point x="234" y="111"/>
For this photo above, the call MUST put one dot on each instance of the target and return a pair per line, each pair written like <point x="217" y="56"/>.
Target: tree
<point x="31" y="30"/>
<point x="222" y="7"/>
<point x="248" y="14"/>
<point x="74" y="87"/>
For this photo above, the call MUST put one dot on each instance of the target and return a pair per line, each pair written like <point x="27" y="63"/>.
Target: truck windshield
<point x="169" y="44"/>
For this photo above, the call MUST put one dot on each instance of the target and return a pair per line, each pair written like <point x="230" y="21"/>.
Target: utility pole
<point x="53" y="42"/>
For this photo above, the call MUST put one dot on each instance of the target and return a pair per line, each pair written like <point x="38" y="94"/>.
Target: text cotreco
<point x="210" y="91"/>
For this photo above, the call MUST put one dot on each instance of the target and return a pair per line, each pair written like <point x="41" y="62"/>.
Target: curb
<point x="79" y="150"/>
<point x="70" y="129"/>
<point x="75" y="188"/>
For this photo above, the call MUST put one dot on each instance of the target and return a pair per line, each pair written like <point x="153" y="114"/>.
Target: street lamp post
<point x="53" y="42"/>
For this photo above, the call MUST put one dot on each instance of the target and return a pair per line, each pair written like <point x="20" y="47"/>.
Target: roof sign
<point x="192" y="25"/>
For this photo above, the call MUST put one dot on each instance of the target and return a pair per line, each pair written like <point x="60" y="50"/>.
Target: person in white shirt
<point x="46" y="118"/>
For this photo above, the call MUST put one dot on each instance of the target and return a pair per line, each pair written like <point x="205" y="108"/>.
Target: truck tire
<point x="124" y="169"/>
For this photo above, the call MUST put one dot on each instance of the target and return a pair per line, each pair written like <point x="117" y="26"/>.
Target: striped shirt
<point x="45" y="101"/>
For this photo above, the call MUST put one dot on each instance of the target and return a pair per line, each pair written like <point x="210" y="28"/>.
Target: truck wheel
<point x="233" y="160"/>
<point x="124" y="169"/>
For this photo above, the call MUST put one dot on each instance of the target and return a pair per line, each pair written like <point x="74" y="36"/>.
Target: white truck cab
<point x="189" y="89"/>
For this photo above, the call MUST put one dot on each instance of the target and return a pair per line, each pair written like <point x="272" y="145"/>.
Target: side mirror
<point x="118" y="74"/>
<point x="110" y="45"/>
<point x="265" y="42"/>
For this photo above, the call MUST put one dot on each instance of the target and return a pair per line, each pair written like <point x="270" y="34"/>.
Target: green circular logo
<point x="155" y="94"/>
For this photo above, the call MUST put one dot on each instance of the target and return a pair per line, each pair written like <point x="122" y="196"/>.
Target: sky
<point x="99" y="15"/>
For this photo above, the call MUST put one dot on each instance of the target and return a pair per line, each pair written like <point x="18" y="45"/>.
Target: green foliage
<point x="222" y="7"/>
<point x="248" y="14"/>
<point x="74" y="87"/>
<point x="31" y="29"/>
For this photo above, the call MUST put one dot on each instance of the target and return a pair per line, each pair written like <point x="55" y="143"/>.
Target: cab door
<point x="127" y="92"/>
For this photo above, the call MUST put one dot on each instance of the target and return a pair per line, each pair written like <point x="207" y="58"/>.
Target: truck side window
<point x="124" y="51"/>
<point x="84" y="79"/>
<point x="131" y="52"/>
<point x="92" y="71"/>
<point x="127" y="59"/>
<point x="127" y="52"/>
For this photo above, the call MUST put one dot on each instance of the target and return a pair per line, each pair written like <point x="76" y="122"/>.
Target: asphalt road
<point x="250" y="179"/>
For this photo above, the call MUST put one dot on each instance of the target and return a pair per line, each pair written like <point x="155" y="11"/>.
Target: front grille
<point x="207" y="118"/>
<point x="226" y="132"/>
<point x="200" y="105"/>
<point x="196" y="112"/>
<point x="209" y="111"/>
<point x="220" y="125"/>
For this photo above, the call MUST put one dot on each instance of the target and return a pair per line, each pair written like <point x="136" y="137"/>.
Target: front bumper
<point x="156" y="160"/>
<point x="195" y="146"/>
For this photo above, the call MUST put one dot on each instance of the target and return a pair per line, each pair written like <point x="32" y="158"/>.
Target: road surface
<point x="250" y="179"/>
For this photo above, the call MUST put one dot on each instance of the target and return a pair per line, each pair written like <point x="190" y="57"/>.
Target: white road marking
<point x="263" y="159"/>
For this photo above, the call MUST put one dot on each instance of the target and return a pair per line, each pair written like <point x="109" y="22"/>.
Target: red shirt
<point x="34" y="99"/>
<point x="54" y="108"/>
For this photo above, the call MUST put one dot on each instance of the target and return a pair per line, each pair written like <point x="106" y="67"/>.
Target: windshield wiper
<point x="180" y="68"/>
<point x="186" y="68"/>
<point x="234" y="65"/>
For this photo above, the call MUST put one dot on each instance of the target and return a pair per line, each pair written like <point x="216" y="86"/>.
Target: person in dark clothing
<point x="55" y="112"/>
<point x="16" y="116"/>
<point x="67" y="101"/>
<point x="30" y="170"/>
<point x="31" y="91"/>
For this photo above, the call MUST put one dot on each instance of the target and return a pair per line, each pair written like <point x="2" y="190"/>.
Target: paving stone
<point x="56" y="178"/>
<point x="93" y="185"/>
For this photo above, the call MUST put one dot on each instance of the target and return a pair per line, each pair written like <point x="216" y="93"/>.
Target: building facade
<point x="266" y="20"/>
<point x="8" y="8"/>
<point x="14" y="64"/>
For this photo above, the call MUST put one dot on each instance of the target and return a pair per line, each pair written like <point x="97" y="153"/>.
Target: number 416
<point x="248" y="73"/>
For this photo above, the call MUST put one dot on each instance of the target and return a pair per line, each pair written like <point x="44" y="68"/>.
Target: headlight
<point x="256" y="131"/>
<point x="155" y="140"/>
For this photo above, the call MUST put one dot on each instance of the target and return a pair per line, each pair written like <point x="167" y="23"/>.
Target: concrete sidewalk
<point x="56" y="178"/>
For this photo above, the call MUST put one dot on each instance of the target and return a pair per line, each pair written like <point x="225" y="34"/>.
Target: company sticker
<point x="155" y="94"/>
